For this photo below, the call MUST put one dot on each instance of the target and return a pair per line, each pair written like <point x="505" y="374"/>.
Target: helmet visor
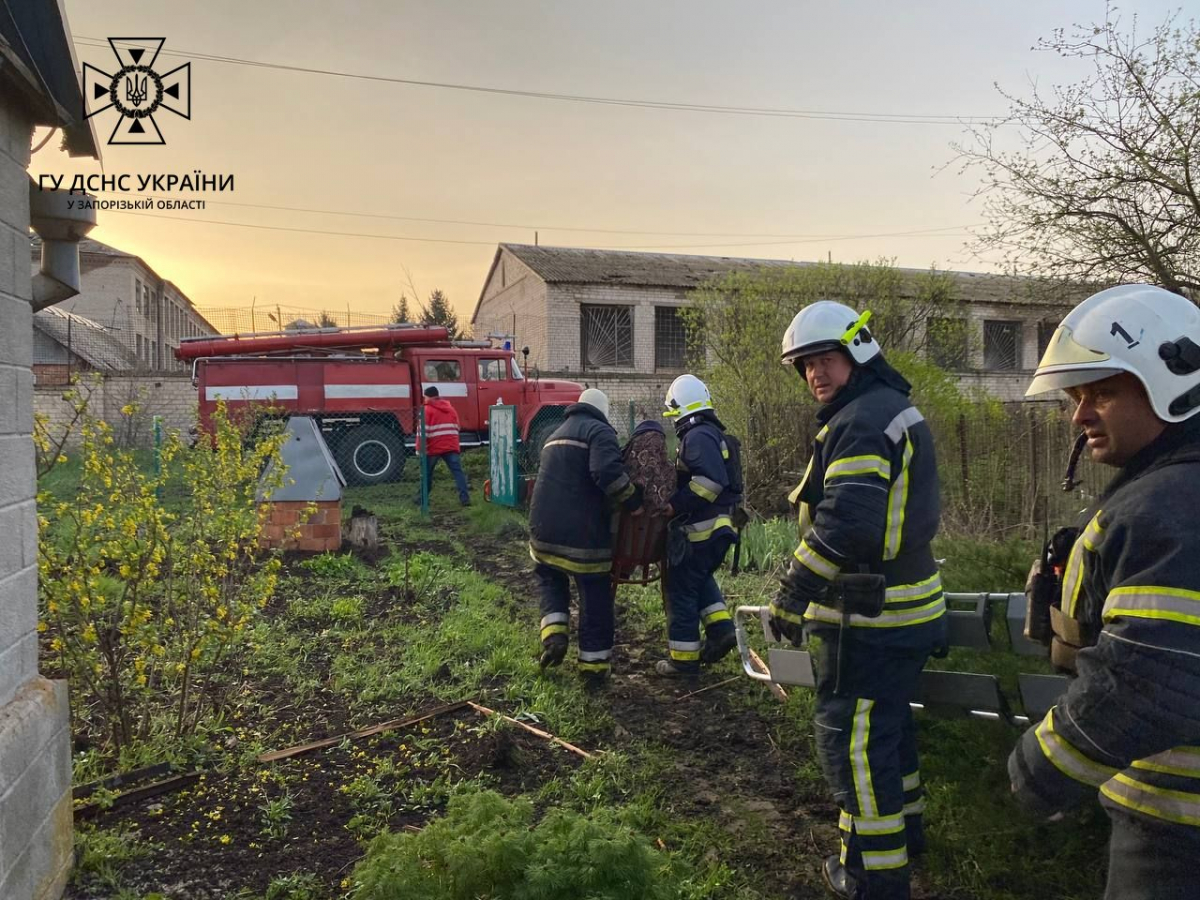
<point x="798" y="353"/>
<point x="1067" y="363"/>
<point x="1067" y="378"/>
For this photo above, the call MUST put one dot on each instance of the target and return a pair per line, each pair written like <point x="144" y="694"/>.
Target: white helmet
<point x="826" y="325"/>
<point x="1136" y="328"/>
<point x="686" y="395"/>
<point x="596" y="399"/>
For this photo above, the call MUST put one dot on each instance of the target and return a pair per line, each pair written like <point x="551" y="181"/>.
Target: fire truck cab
<point x="364" y="387"/>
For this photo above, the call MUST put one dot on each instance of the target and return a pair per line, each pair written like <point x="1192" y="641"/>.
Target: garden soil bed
<point x="212" y="839"/>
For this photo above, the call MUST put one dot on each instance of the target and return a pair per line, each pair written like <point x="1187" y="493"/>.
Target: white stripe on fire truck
<point x="355" y="391"/>
<point x="446" y="388"/>
<point x="236" y="392"/>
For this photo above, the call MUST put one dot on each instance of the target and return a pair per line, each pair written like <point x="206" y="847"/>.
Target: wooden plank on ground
<point x="301" y="749"/>
<point x="165" y="786"/>
<point x="542" y="734"/>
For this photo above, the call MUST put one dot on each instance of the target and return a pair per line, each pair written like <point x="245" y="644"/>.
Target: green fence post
<point x="631" y="418"/>
<point x="422" y="455"/>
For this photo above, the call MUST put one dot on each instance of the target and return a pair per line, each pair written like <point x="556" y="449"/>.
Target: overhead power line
<point x="946" y="231"/>
<point x="714" y="109"/>
<point x="516" y="225"/>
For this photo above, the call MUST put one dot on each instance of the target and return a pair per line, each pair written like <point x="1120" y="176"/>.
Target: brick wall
<point x="35" y="747"/>
<point x="171" y="396"/>
<point x="515" y="296"/>
<point x="564" y="302"/>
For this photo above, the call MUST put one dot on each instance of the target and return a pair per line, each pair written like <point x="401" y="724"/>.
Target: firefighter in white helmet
<point x="1127" y="617"/>
<point x="708" y="491"/>
<point x="864" y="583"/>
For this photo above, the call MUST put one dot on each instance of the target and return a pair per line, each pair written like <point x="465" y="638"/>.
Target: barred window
<point x="1045" y="333"/>
<point x="606" y="336"/>
<point x="1001" y="345"/>
<point x="671" y="350"/>
<point x="949" y="343"/>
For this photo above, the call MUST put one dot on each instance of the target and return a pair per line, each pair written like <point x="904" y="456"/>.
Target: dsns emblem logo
<point x="137" y="91"/>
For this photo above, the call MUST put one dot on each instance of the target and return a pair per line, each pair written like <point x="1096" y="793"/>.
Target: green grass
<point x="425" y="625"/>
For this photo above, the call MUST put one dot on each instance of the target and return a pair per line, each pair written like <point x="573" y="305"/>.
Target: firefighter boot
<point x="594" y="681"/>
<point x="717" y="647"/>
<point x="554" y="650"/>
<point x="667" y="668"/>
<point x="839" y="881"/>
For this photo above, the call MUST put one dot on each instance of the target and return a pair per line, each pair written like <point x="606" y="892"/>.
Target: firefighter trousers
<point x="1151" y="859"/>
<point x="694" y="599"/>
<point x="596" y="624"/>
<point x="867" y="747"/>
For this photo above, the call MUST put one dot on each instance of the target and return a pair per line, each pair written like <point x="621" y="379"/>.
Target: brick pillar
<point x="35" y="744"/>
<point x="286" y="526"/>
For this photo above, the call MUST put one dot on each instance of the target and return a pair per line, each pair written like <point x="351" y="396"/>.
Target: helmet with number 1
<point x="827" y="325"/>
<point x="1147" y="331"/>
<point x="686" y="395"/>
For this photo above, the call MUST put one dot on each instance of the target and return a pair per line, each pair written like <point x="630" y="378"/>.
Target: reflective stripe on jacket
<point x="441" y="427"/>
<point x="702" y="501"/>
<point x="580" y="479"/>
<point x="1129" y="724"/>
<point x="869" y="500"/>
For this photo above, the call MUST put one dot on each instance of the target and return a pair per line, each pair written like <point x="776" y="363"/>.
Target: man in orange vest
<point x="441" y="430"/>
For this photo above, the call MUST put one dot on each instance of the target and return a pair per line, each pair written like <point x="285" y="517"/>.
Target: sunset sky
<point x="411" y="161"/>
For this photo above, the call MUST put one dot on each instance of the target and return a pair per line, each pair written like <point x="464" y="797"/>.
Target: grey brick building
<point x="611" y="317"/>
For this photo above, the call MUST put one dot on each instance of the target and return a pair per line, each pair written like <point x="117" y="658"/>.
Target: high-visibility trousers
<point x="596" y="625"/>
<point x="694" y="600"/>
<point x="867" y="746"/>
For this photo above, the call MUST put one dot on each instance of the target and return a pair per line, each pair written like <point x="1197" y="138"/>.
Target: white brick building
<point x="611" y="317"/>
<point x="122" y="293"/>
<point x="38" y="86"/>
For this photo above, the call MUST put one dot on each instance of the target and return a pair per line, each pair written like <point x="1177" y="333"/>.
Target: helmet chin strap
<point x="1069" y="482"/>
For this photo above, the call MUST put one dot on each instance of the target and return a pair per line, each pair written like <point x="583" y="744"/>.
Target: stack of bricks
<point x="287" y="526"/>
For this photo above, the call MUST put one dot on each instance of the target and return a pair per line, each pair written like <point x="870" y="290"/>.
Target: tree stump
<point x="361" y="531"/>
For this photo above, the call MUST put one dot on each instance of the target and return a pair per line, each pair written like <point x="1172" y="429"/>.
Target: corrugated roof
<point x="578" y="265"/>
<point x="89" y="340"/>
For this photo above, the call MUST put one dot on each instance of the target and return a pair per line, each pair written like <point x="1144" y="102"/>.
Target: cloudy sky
<point x="421" y="182"/>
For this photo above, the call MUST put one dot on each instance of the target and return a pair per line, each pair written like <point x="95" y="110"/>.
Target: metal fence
<point x="1001" y="465"/>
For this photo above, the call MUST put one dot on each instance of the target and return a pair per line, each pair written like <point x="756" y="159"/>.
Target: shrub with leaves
<point x="143" y="600"/>
<point x="487" y="847"/>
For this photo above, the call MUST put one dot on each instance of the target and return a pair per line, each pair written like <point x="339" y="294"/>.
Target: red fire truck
<point x="363" y="386"/>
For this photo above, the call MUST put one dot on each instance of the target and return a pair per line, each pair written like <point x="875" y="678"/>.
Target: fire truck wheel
<point x="371" y="454"/>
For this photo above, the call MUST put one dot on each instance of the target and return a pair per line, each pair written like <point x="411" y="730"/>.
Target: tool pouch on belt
<point x="1070" y="636"/>
<point x="679" y="548"/>
<point x="1045" y="621"/>
<point x="858" y="594"/>
<point x="1043" y="591"/>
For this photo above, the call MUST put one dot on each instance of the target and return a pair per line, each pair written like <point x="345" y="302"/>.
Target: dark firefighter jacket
<point x="580" y="480"/>
<point x="1129" y="724"/>
<point x="869" y="502"/>
<point x="702" y="501"/>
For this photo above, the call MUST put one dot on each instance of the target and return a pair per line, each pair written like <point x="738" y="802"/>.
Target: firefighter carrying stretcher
<point x="865" y="586"/>
<point x="580" y="481"/>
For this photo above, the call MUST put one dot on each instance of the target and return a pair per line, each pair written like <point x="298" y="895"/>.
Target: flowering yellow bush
<point x="150" y="580"/>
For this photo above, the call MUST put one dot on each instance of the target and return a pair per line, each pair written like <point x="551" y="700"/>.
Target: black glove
<point x="788" y="607"/>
